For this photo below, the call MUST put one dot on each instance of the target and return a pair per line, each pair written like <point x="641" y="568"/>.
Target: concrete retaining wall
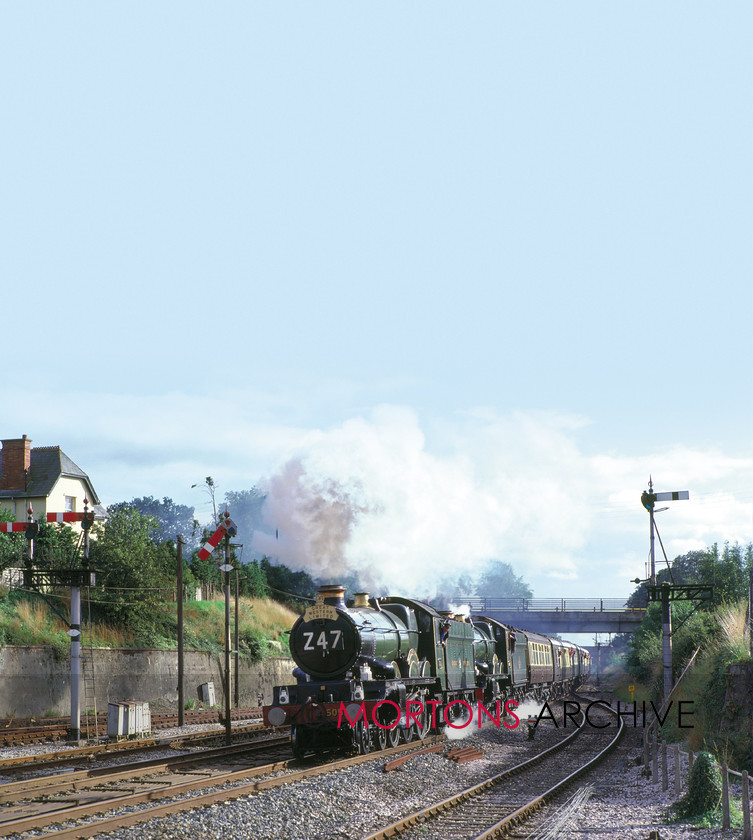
<point x="33" y="680"/>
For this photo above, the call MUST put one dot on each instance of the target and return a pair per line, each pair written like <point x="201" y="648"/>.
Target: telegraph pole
<point x="750" y="610"/>
<point x="181" y="713"/>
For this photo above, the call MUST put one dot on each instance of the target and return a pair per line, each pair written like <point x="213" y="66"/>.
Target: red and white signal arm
<point x="68" y="516"/>
<point x="13" y="527"/>
<point x="226" y="527"/>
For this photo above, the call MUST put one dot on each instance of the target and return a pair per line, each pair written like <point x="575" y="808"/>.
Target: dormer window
<point x="70" y="504"/>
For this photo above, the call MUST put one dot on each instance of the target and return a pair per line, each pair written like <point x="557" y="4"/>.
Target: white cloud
<point x="403" y="498"/>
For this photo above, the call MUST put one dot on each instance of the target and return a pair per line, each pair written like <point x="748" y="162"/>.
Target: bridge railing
<point x="481" y="605"/>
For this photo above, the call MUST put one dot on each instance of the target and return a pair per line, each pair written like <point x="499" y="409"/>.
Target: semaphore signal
<point x="13" y="527"/>
<point x="667" y="592"/>
<point x="227" y="528"/>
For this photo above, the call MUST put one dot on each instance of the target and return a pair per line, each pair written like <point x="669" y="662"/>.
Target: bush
<point x="704" y="788"/>
<point x="253" y="642"/>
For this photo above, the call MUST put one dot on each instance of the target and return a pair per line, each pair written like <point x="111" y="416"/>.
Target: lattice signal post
<point x="668" y="592"/>
<point x="75" y="579"/>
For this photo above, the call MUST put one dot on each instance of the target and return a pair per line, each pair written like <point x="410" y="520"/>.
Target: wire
<point x="656" y="528"/>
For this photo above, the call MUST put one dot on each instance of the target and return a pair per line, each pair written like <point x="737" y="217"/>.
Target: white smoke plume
<point x="314" y="517"/>
<point x="405" y="506"/>
<point x="369" y="496"/>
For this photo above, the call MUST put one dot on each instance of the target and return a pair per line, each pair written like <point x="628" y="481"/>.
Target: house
<point x="45" y="478"/>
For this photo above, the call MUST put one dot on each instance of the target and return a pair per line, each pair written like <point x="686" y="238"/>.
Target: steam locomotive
<point x="377" y="670"/>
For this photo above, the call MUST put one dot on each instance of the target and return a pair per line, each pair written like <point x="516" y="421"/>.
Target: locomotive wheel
<point x="299" y="741"/>
<point x="409" y="733"/>
<point x="422" y="727"/>
<point x="380" y="737"/>
<point x="362" y="738"/>
<point x="393" y="736"/>
<point x="414" y="666"/>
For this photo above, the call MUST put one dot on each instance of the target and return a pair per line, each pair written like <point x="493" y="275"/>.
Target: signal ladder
<point x="87" y="676"/>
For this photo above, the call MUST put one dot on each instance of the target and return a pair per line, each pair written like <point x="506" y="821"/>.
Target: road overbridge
<point x="562" y="615"/>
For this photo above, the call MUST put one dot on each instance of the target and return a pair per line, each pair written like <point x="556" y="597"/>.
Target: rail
<point x="482" y="605"/>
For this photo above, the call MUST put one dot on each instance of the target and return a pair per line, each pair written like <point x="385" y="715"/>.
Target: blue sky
<point x="467" y="275"/>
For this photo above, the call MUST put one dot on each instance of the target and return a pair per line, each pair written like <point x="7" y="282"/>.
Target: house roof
<point x="48" y="463"/>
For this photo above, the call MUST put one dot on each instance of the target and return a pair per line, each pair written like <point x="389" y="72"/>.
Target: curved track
<point x="515" y="793"/>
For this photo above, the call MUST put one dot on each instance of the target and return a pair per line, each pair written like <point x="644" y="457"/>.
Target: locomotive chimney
<point x="16" y="464"/>
<point x="334" y="595"/>
<point x="361" y="599"/>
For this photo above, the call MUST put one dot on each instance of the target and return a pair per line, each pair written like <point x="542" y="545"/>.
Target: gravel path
<point x="625" y="805"/>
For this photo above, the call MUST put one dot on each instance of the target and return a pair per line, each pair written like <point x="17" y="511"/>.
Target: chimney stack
<point x="16" y="460"/>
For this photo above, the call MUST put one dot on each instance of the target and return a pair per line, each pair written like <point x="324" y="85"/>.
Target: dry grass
<point x="34" y="622"/>
<point x="37" y="618"/>
<point x="734" y="633"/>
<point x="271" y="616"/>
<point x="105" y="635"/>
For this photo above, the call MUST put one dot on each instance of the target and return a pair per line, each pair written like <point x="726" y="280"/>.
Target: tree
<point x="498" y="580"/>
<point x="728" y="571"/>
<point x="12" y="546"/>
<point x="245" y="507"/>
<point x="453" y="590"/>
<point x="170" y="518"/>
<point x="56" y="546"/>
<point x="252" y="580"/>
<point x="283" y="581"/>
<point x="137" y="573"/>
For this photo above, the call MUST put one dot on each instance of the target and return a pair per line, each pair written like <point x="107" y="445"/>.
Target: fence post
<point x="664" y="769"/>
<point x="725" y="796"/>
<point x="647" y="751"/>
<point x="655" y="767"/>
<point x="678" y="778"/>
<point x="746" y="807"/>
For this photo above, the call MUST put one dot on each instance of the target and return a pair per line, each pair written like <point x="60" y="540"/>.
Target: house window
<point x="70" y="504"/>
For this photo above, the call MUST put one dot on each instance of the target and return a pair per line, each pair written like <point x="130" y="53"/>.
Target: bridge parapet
<point x="561" y="615"/>
<point x="481" y="605"/>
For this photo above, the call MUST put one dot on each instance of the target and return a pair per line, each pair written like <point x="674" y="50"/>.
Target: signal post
<point x="667" y="592"/>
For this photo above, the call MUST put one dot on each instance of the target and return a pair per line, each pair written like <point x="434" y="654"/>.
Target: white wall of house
<point x="76" y="489"/>
<point x="67" y="488"/>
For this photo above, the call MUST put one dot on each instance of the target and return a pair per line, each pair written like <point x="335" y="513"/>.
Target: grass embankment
<point x="716" y="725"/>
<point x="705" y="687"/>
<point x="262" y="625"/>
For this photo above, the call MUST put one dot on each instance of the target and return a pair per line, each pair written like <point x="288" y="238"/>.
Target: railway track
<point x="149" y="789"/>
<point x="495" y="806"/>
<point x="104" y="752"/>
<point x="35" y="804"/>
<point x="16" y="732"/>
